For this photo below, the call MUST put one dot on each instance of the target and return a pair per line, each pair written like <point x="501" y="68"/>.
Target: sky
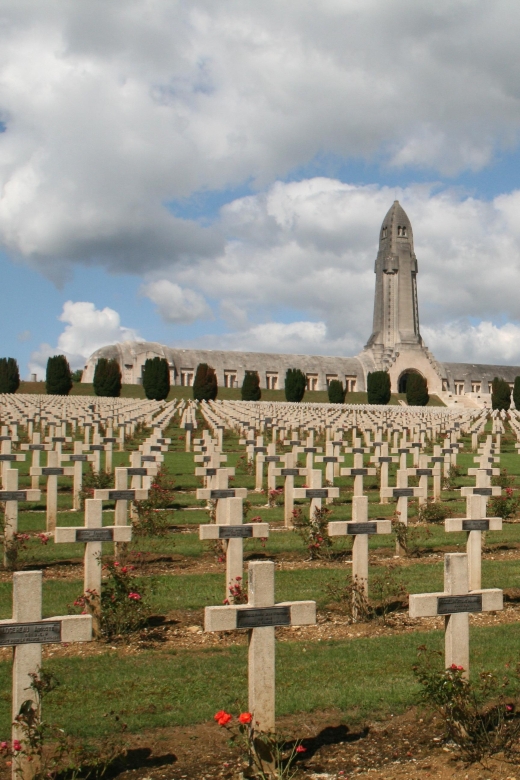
<point x="215" y="175"/>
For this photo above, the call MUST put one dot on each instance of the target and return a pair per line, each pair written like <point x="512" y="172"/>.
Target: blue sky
<point x="216" y="174"/>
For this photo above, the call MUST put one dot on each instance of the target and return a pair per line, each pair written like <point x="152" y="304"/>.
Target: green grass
<point x="365" y="678"/>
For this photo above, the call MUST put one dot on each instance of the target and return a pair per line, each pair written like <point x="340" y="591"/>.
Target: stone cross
<point x="315" y="491"/>
<point x="360" y="528"/>
<point x="232" y="530"/>
<point x="423" y="473"/>
<point x="35" y="448"/>
<point x="260" y="616"/>
<point x="289" y="472"/>
<point x="358" y="474"/>
<point x="217" y="495"/>
<point x="383" y="460"/>
<point x="402" y="492"/>
<point x="474" y="524"/>
<point x="6" y="458"/>
<point x="25" y="633"/>
<point x="12" y="496"/>
<point x="93" y="534"/>
<point x="455" y="603"/>
<point x="188" y="428"/>
<point x="52" y="471"/>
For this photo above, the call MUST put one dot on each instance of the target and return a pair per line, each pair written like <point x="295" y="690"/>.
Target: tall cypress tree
<point x="295" y="383"/>
<point x="516" y="392"/>
<point x="416" y="390"/>
<point x="107" y="378"/>
<point x="205" y="387"/>
<point x="500" y="394"/>
<point x="378" y="387"/>
<point x="156" y="378"/>
<point x="251" y="387"/>
<point x="336" y="392"/>
<point x="9" y="375"/>
<point x="58" y="378"/>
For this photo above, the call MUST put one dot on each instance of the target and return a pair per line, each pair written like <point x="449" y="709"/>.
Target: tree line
<point x="59" y="380"/>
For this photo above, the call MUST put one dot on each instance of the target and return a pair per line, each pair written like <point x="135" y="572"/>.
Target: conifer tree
<point x="107" y="378"/>
<point x="295" y="383"/>
<point x="205" y="387"/>
<point x="251" y="387"/>
<point x="516" y="392"/>
<point x="156" y="378"/>
<point x="58" y="378"/>
<point x="500" y="394"/>
<point x="336" y="392"/>
<point x="378" y="387"/>
<point x="9" y="375"/>
<point x="416" y="390"/>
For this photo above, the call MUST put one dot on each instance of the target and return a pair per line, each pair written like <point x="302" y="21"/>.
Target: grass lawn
<point x="365" y="678"/>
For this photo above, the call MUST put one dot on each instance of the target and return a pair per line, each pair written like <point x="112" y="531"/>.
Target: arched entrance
<point x="403" y="379"/>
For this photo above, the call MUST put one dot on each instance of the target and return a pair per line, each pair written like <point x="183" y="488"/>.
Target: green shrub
<point x="205" y="387"/>
<point x="107" y="378"/>
<point x="433" y="512"/>
<point x="58" y="378"/>
<point x="336" y="392"/>
<point x="416" y="390"/>
<point x="9" y="375"/>
<point x="77" y="375"/>
<point x="500" y="394"/>
<point x="295" y="383"/>
<point x="156" y="378"/>
<point x="251" y="387"/>
<point x="378" y="387"/>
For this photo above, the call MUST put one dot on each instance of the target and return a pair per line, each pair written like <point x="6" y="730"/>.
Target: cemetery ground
<point x="345" y="689"/>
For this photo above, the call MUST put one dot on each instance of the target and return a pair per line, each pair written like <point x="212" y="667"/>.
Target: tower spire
<point x="396" y="313"/>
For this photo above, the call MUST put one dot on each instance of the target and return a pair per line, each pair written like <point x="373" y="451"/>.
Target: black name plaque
<point x="260" y="617"/>
<point x="449" y="605"/>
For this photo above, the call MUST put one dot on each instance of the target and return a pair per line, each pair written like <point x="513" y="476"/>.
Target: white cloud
<point x="176" y="304"/>
<point x="308" y="248"/>
<point x="482" y="343"/>
<point x="112" y="110"/>
<point x="87" y="329"/>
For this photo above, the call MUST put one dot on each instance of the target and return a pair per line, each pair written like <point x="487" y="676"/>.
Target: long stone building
<point x="395" y="344"/>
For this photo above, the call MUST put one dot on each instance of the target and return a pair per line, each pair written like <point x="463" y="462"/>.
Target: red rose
<point x="245" y="717"/>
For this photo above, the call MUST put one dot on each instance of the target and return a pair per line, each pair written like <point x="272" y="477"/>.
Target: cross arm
<point x="471" y="524"/>
<point x="20" y="495"/>
<point x="244" y="531"/>
<point x="214" y="495"/>
<point x="408" y="492"/>
<point x="490" y="472"/>
<point x="67" y="535"/>
<point x="351" y="528"/>
<point x="288" y="472"/>
<point x="427" y="604"/>
<point x="364" y="472"/>
<point x="121" y="495"/>
<point x="301" y="613"/>
<point x="496" y="490"/>
<point x="426" y="472"/>
<point x="331" y="492"/>
<point x="74" y="628"/>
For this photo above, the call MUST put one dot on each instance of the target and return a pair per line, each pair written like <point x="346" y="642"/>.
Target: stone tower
<point x="396" y="345"/>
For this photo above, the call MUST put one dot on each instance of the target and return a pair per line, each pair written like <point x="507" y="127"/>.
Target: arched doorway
<point x="403" y="379"/>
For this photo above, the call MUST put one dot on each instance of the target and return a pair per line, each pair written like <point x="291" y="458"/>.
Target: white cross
<point x="455" y="603"/>
<point x="315" y="492"/>
<point x="289" y="472"/>
<point x="232" y="529"/>
<point x="360" y="527"/>
<point x="474" y="524"/>
<point x="93" y="534"/>
<point x="25" y="633"/>
<point x="52" y="471"/>
<point x="260" y="615"/>
<point x="12" y="496"/>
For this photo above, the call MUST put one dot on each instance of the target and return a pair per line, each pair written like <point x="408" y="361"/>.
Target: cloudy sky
<point x="215" y="173"/>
